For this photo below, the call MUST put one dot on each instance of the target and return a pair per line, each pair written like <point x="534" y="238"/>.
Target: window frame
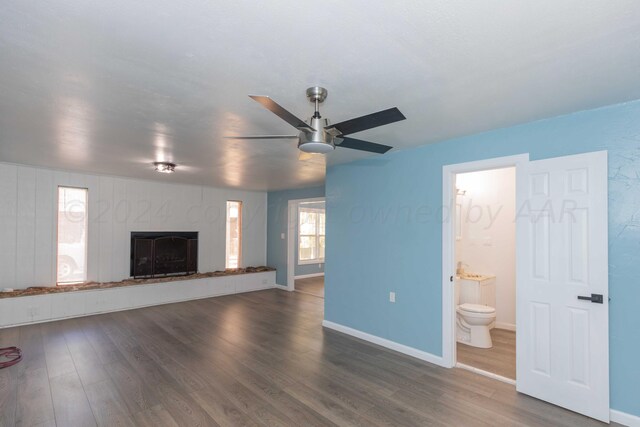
<point x="317" y="211"/>
<point x="226" y="237"/>
<point x="86" y="235"/>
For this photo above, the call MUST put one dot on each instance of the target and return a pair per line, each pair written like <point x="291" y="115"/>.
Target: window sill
<point x="311" y="261"/>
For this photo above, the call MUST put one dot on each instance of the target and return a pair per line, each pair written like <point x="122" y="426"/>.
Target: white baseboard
<point x="506" y="326"/>
<point x="392" y="345"/>
<point x="624" y="418"/>
<point x="307" y="276"/>
<point x="284" y="288"/>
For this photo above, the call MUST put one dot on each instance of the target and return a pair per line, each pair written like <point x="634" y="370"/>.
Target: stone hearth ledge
<point x="42" y="290"/>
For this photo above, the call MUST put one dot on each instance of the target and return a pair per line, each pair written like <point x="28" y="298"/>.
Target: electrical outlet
<point x="392" y="297"/>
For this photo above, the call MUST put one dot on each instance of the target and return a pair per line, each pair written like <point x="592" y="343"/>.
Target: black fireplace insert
<point x="163" y="253"/>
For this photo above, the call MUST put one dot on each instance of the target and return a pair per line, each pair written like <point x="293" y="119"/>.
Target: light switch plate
<point x="282" y="236"/>
<point x="392" y="297"/>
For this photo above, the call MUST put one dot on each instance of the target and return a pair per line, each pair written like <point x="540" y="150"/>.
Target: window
<point x="311" y="218"/>
<point x="234" y="234"/>
<point x="72" y="235"/>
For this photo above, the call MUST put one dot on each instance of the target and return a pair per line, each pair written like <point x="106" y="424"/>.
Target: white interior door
<point x="563" y="341"/>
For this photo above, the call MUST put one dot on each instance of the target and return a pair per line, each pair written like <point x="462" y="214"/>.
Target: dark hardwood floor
<point x="311" y="285"/>
<point x="254" y="359"/>
<point x="499" y="359"/>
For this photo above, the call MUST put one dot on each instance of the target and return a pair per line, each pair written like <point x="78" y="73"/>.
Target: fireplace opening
<point x="166" y="253"/>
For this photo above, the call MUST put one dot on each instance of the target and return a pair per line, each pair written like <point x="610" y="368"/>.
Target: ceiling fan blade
<point x="263" y="137"/>
<point x="369" y="121"/>
<point x="281" y="112"/>
<point x="358" y="144"/>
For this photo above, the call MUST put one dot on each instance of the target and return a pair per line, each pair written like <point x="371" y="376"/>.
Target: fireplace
<point x="163" y="253"/>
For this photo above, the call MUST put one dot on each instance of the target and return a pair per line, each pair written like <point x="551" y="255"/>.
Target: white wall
<point x="488" y="238"/>
<point x="117" y="206"/>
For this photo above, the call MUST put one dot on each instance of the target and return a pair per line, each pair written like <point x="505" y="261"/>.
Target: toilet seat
<point x="476" y="309"/>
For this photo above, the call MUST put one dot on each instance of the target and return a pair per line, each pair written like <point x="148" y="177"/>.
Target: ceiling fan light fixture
<point x="316" y="147"/>
<point x="165" y="167"/>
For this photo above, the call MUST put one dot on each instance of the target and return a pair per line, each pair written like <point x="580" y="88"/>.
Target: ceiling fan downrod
<point x="317" y="95"/>
<point x="317" y="140"/>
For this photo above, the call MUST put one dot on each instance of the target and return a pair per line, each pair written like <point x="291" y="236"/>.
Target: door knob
<point x="594" y="298"/>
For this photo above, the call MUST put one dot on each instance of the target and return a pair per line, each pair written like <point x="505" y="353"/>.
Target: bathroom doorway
<point x="479" y="265"/>
<point x="485" y="281"/>
<point x="561" y="279"/>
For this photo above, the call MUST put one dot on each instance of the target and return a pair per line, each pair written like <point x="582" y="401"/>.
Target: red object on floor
<point x="12" y="355"/>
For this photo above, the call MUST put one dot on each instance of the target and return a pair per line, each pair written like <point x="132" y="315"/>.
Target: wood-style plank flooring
<point x="499" y="359"/>
<point x="260" y="358"/>
<point x="311" y="285"/>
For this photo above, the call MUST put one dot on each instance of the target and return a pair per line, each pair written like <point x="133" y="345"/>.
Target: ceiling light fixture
<point x="164" y="167"/>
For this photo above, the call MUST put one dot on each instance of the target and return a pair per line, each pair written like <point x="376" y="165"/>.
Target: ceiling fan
<point x="317" y="135"/>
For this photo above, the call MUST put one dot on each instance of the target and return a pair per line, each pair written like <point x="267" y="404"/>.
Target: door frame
<point x="292" y="220"/>
<point x="519" y="161"/>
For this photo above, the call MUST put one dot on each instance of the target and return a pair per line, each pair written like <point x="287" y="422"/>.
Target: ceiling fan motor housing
<point x="318" y="141"/>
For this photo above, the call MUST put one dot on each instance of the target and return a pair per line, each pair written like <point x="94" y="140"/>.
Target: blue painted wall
<point x="384" y="232"/>
<point x="304" y="269"/>
<point x="277" y="202"/>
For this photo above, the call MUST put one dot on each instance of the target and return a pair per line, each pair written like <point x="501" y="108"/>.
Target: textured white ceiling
<point x="111" y="86"/>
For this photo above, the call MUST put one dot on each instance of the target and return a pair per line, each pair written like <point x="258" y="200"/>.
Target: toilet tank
<point x="480" y="290"/>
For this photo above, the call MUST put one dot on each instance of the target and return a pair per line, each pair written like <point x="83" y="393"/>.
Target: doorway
<point x="452" y="230"/>
<point x="562" y="344"/>
<point x="485" y="259"/>
<point x="306" y="246"/>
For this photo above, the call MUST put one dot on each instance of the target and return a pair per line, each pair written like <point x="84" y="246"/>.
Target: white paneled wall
<point x="117" y="206"/>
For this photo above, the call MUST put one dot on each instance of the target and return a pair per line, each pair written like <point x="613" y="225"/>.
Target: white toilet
<point x="475" y="312"/>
